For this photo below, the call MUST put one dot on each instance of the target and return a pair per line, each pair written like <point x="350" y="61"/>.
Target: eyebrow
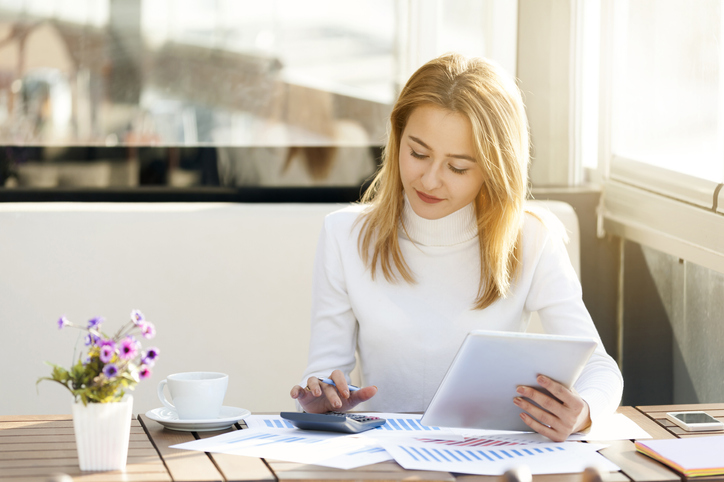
<point x="456" y="156"/>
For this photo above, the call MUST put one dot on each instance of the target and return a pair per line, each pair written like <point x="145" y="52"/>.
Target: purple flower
<point x="110" y="370"/>
<point x="145" y="372"/>
<point x="108" y="349"/>
<point x="94" y="323"/>
<point x="63" y="321"/>
<point x="149" y="358"/>
<point x="129" y="348"/>
<point x="91" y="339"/>
<point x="137" y="317"/>
<point x="147" y="329"/>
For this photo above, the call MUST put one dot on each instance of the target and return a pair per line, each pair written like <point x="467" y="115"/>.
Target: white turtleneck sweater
<point x="408" y="334"/>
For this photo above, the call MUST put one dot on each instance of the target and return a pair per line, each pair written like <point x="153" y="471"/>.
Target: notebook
<point x="691" y="456"/>
<point x="478" y="388"/>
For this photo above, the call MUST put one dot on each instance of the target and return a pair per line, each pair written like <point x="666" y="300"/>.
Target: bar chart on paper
<point x="493" y="441"/>
<point x="451" y="457"/>
<point x="396" y="423"/>
<point x="267" y="421"/>
<point x="293" y="445"/>
<point x="407" y="425"/>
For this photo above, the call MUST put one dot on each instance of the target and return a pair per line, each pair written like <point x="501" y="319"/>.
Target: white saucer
<point x="169" y="419"/>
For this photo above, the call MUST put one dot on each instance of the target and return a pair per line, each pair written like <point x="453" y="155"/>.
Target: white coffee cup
<point x="195" y="395"/>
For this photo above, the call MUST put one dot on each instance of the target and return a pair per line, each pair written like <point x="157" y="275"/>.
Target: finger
<point x="332" y="395"/>
<point x="339" y="379"/>
<point x="315" y="386"/>
<point x="543" y="429"/>
<point x="362" y="395"/>
<point x="547" y="403"/>
<point x="297" y="392"/>
<point x="556" y="389"/>
<point x="538" y="413"/>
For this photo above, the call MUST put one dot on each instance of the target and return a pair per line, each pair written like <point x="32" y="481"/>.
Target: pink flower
<point x="108" y="349"/>
<point x="145" y="372"/>
<point x="129" y="348"/>
<point x="147" y="329"/>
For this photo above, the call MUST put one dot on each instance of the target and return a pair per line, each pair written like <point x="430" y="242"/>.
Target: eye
<point x="417" y="155"/>
<point x="456" y="170"/>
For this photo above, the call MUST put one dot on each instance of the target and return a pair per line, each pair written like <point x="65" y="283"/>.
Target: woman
<point x="443" y="245"/>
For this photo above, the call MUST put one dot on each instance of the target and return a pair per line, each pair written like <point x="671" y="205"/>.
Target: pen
<point x="329" y="381"/>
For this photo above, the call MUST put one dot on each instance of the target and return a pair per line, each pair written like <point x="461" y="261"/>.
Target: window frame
<point x="677" y="214"/>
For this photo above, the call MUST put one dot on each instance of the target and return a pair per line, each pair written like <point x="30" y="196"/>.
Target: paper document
<point x="267" y="421"/>
<point x="544" y="458"/>
<point x="293" y="445"/>
<point x="412" y="445"/>
<point x="616" y="427"/>
<point x="396" y="423"/>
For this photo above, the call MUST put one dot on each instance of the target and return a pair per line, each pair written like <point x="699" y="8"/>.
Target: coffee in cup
<point x="195" y="395"/>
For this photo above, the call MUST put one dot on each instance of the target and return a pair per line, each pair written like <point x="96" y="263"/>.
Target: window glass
<point x="667" y="85"/>
<point x="119" y="93"/>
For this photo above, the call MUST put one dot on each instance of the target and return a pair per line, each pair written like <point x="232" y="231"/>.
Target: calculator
<point x="333" y="421"/>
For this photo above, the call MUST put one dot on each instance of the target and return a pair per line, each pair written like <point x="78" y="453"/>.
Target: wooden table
<point x="32" y="447"/>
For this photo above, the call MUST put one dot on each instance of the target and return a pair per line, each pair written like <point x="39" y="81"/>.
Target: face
<point x="437" y="162"/>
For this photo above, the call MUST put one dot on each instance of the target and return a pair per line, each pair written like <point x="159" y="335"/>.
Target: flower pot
<point x="102" y="431"/>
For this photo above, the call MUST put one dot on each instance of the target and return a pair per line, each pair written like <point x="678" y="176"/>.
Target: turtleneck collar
<point x="455" y="228"/>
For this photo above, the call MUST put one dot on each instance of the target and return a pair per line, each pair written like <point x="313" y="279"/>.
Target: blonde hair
<point x="489" y="98"/>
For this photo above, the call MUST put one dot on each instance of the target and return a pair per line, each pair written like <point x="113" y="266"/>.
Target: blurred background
<point x="287" y="101"/>
<point x="229" y="93"/>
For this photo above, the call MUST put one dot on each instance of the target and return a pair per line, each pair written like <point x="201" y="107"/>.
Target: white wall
<point x="228" y="287"/>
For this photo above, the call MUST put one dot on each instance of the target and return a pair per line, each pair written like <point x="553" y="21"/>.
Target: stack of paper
<point x="693" y="456"/>
<point x="412" y="445"/>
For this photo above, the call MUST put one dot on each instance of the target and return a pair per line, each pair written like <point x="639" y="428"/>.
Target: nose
<point x="431" y="176"/>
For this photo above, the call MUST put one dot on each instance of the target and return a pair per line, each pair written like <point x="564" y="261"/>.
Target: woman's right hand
<point x="319" y="397"/>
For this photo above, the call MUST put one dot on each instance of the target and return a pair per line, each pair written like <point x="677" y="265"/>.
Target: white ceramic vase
<point x="102" y="431"/>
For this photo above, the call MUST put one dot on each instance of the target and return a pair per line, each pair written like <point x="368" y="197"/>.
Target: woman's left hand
<point x="558" y="418"/>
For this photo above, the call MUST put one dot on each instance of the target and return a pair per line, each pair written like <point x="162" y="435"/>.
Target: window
<point x="663" y="125"/>
<point x="667" y="90"/>
<point x="232" y="92"/>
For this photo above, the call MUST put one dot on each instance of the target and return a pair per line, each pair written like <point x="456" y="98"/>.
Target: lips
<point x="427" y="198"/>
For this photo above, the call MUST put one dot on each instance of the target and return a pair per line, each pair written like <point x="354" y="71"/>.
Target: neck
<point x="455" y="228"/>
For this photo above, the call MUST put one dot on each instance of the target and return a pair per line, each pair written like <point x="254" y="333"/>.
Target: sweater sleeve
<point x="555" y="293"/>
<point x="333" y="336"/>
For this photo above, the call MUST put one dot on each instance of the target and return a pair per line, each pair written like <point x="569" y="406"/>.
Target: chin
<point x="428" y="212"/>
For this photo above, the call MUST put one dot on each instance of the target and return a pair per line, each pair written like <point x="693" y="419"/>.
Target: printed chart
<point x="546" y="458"/>
<point x="320" y="448"/>
<point x="396" y="423"/>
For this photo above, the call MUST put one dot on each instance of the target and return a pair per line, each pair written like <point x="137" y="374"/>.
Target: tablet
<point x="478" y="388"/>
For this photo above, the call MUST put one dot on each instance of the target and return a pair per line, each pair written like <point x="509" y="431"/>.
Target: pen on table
<point x="329" y="381"/>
